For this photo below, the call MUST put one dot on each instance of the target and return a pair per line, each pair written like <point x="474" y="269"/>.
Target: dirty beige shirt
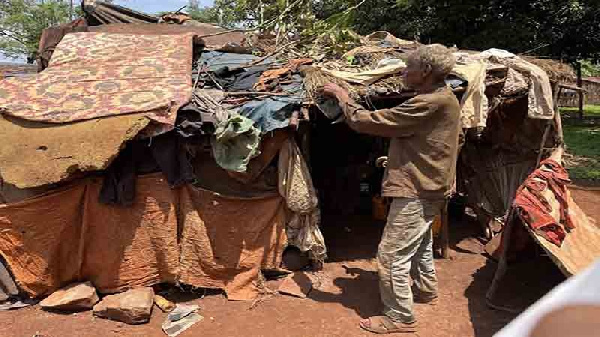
<point x="424" y="135"/>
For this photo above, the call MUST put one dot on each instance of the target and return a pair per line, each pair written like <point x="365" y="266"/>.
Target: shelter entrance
<point x="344" y="172"/>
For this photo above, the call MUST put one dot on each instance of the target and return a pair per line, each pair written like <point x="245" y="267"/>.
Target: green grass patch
<point x="585" y="173"/>
<point x="588" y="110"/>
<point x="583" y="140"/>
<point x="583" y="146"/>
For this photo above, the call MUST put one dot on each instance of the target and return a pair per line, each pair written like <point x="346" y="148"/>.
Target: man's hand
<point x="334" y="90"/>
<point x="381" y="161"/>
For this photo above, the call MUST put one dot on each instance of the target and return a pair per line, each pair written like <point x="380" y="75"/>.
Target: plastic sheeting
<point x="270" y="114"/>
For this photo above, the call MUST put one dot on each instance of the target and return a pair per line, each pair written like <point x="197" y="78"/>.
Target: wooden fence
<point x="569" y="98"/>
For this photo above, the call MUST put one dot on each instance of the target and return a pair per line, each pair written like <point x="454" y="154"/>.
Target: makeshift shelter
<point x="155" y="153"/>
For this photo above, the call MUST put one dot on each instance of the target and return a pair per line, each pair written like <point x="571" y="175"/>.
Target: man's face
<point x="413" y="75"/>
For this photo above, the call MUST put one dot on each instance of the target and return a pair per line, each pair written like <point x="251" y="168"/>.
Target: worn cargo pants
<point x="406" y="251"/>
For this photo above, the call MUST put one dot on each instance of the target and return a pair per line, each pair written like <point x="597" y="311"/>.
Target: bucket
<point x="437" y="225"/>
<point x="379" y="208"/>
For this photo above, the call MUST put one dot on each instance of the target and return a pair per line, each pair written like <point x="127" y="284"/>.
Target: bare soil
<point x="348" y="291"/>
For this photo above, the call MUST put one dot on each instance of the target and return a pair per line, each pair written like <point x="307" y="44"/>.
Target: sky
<point x="155" y="6"/>
<point x="146" y="6"/>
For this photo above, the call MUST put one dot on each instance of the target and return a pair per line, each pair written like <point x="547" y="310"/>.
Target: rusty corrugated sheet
<point x="197" y="28"/>
<point x="99" y="13"/>
<point x="52" y="36"/>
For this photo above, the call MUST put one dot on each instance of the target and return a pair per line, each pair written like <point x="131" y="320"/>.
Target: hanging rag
<point x="541" y="105"/>
<point x="163" y="153"/>
<point x="236" y="142"/>
<point x="295" y="185"/>
<point x="474" y="103"/>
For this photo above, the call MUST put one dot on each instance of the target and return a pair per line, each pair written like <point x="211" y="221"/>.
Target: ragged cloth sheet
<point x="94" y="75"/>
<point x="540" y="104"/>
<point x="540" y="90"/>
<point x="581" y="245"/>
<point x="34" y="154"/>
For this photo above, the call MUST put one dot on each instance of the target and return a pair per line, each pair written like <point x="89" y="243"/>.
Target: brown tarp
<point x="65" y="236"/>
<point x="52" y="240"/>
<point x="34" y="154"/>
<point x="41" y="239"/>
<point x="126" y="247"/>
<point x="226" y="241"/>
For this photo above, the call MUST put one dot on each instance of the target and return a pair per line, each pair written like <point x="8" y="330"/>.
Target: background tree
<point x="22" y="22"/>
<point x="565" y="29"/>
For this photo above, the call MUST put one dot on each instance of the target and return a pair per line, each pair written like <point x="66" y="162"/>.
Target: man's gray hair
<point x="438" y="57"/>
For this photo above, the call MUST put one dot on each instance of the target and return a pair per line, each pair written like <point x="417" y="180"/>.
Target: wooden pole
<point x="580" y="93"/>
<point x="444" y="232"/>
<point x="557" y="119"/>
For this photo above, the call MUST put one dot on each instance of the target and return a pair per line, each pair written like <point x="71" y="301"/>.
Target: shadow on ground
<point x="352" y="242"/>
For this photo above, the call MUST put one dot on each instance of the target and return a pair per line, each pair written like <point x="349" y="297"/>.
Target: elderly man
<point x="424" y="134"/>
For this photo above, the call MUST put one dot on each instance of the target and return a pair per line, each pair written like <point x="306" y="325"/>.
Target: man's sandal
<point x="384" y="325"/>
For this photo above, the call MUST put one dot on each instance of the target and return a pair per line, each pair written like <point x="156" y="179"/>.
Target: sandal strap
<point x="387" y="323"/>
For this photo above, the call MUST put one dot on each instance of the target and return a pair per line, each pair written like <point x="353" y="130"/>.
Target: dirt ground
<point x="348" y="291"/>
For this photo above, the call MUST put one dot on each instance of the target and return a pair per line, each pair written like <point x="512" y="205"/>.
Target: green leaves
<point x="589" y="69"/>
<point x="22" y="22"/>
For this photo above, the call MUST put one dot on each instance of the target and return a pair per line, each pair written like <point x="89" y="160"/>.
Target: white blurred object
<point x="581" y="289"/>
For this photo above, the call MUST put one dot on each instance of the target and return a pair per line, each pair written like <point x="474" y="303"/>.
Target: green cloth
<point x="236" y="142"/>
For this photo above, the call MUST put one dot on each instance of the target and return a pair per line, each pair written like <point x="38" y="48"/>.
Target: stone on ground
<point x="76" y="296"/>
<point x="131" y="307"/>
<point x="163" y="304"/>
<point x="297" y="284"/>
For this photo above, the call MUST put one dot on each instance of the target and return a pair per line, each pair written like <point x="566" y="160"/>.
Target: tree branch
<point x="12" y="34"/>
